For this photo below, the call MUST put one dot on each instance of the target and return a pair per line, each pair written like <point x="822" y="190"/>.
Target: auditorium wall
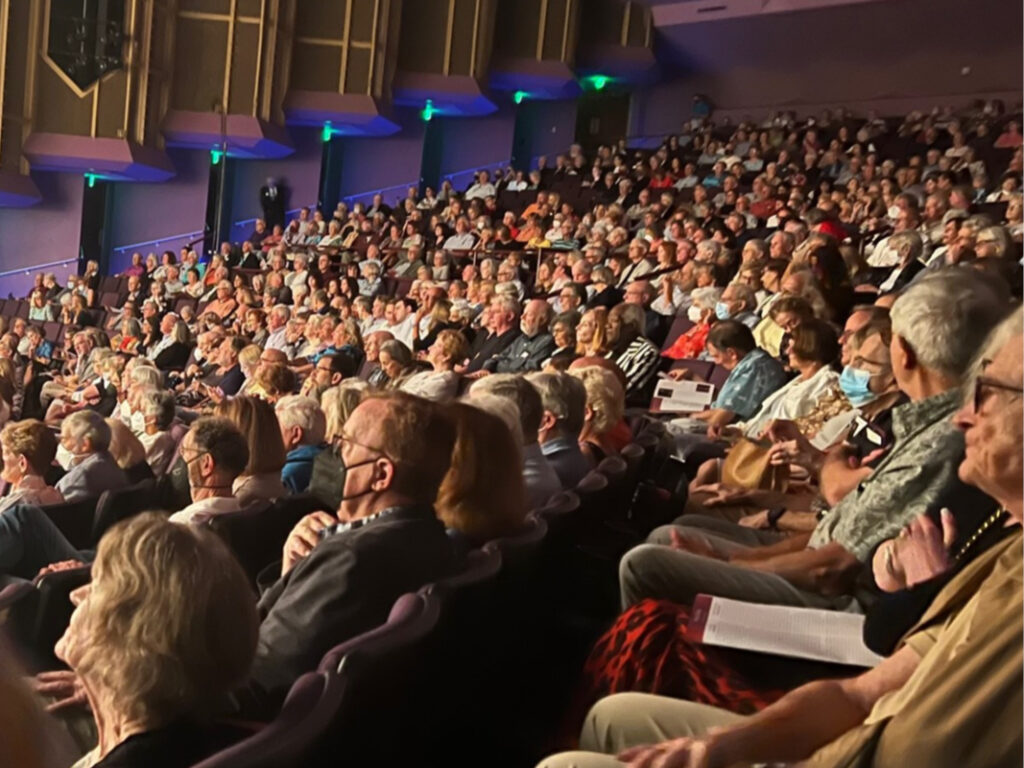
<point x="48" y="232"/>
<point x="160" y="217"/>
<point x="893" y="56"/>
<point x="386" y="164"/>
<point x="298" y="172"/>
<point x="471" y="143"/>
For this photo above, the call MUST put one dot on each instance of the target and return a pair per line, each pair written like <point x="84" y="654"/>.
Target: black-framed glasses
<point x="976" y="393"/>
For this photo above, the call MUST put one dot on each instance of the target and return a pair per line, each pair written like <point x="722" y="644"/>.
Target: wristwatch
<point x="773" y="516"/>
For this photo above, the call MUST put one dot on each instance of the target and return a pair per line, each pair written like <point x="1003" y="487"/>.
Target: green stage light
<point x="215" y="156"/>
<point x="327" y="132"/>
<point x="428" y="111"/>
<point x="91" y="179"/>
<point x="599" y="82"/>
<point x="519" y="96"/>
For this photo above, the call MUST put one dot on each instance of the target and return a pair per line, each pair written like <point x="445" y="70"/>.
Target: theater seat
<point x="382" y="715"/>
<point x="115" y="506"/>
<point x="74" y="519"/>
<point x="257" y="533"/>
<point x="308" y="711"/>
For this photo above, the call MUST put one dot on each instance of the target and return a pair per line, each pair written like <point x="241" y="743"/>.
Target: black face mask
<point x="348" y="469"/>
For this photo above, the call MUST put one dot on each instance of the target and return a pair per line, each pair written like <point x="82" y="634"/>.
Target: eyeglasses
<point x="341" y="438"/>
<point x="976" y="392"/>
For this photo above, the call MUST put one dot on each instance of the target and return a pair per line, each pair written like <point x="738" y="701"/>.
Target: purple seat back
<point x="308" y="711"/>
<point x="13" y="593"/>
<point x="679" y="326"/>
<point x="412" y="617"/>
<point x="481" y="566"/>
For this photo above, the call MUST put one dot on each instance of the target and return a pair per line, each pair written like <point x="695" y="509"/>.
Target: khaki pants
<point x="631" y="719"/>
<point x="656" y="570"/>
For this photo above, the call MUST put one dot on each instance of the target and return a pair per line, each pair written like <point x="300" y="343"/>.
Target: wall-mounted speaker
<point x="86" y="38"/>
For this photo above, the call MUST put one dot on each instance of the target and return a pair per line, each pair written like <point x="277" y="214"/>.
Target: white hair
<point x="159" y="404"/>
<point x="909" y="239"/>
<point x="88" y="425"/>
<point x="146" y="376"/>
<point x="945" y="317"/>
<point x="713" y="247"/>
<point x="305" y="413"/>
<point x="502" y="407"/>
<point x="706" y="297"/>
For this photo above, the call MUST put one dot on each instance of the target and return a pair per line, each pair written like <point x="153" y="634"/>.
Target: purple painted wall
<point x="299" y="172"/>
<point x="388" y="164"/>
<point x="893" y="56"/>
<point x="33" y="239"/>
<point x="552" y="129"/>
<point x="470" y="144"/>
<point x="160" y="217"/>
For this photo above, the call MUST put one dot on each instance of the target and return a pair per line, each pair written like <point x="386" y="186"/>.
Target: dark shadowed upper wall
<point x="893" y="54"/>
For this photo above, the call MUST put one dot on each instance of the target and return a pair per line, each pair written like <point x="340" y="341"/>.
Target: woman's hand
<point x="64" y="686"/>
<point x="918" y="554"/>
<point x="678" y="753"/>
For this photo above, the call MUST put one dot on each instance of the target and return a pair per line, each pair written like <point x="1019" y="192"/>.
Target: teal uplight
<point x="597" y="82"/>
<point x="327" y="132"/>
<point x="428" y="111"/>
<point x="519" y="96"/>
<point x="90" y="179"/>
<point x="215" y="156"/>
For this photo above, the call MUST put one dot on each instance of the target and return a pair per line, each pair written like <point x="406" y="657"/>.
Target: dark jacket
<point x="173" y="357"/>
<point x="345" y="586"/>
<point x="180" y="745"/>
<point x="487" y="345"/>
<point x="523" y="354"/>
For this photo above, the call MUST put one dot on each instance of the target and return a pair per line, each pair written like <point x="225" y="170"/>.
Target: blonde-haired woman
<point x="483" y="496"/>
<point x="328" y="478"/>
<point x="441" y="383"/>
<point x="606" y="404"/>
<point x="590" y="333"/>
<point x="167" y="626"/>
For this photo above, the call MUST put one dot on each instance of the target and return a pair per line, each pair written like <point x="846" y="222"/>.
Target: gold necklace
<point x="986" y="524"/>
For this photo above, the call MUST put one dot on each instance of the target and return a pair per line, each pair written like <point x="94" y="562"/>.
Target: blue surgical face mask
<point x="722" y="311"/>
<point x="855" y="383"/>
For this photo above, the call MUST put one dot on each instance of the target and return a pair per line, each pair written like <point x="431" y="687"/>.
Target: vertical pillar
<point x="433" y="146"/>
<point x="330" y="175"/>
<point x="94" y="239"/>
<point x="218" y="202"/>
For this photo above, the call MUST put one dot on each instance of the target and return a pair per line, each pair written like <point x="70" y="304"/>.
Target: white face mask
<point x="694" y="314"/>
<point x="138" y="423"/>
<point x="64" y="457"/>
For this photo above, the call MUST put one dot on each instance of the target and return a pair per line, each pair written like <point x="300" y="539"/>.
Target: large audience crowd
<point x="432" y="370"/>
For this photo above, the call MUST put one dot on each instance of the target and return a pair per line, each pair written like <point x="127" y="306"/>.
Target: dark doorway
<point x="601" y="118"/>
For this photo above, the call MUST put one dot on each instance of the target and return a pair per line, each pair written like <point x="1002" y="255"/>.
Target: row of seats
<point x="482" y="636"/>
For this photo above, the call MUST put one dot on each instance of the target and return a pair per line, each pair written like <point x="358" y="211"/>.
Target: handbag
<point x="747" y="465"/>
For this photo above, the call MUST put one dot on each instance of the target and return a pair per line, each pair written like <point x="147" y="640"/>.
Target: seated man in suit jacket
<point x="84" y="439"/>
<point x="340" y="576"/>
